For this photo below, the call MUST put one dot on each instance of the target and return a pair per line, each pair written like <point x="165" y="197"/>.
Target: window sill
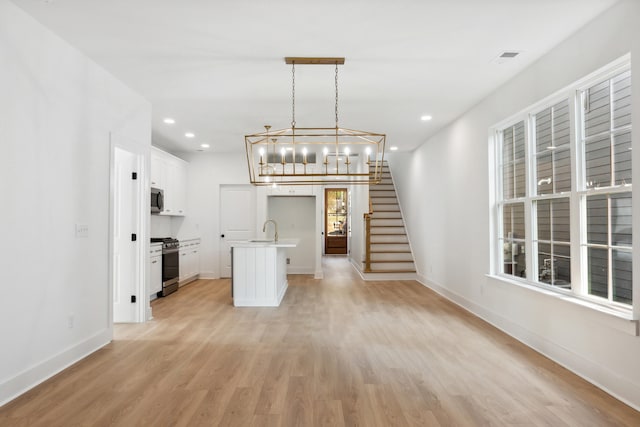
<point x="619" y="318"/>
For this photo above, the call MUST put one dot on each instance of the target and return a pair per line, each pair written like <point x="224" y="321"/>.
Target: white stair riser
<point x="389" y="238"/>
<point x="377" y="222"/>
<point x="391" y="247"/>
<point x="392" y="266"/>
<point x="377" y="215"/>
<point x="382" y="193"/>
<point x="384" y="201"/>
<point x="387" y="230"/>
<point x="390" y="256"/>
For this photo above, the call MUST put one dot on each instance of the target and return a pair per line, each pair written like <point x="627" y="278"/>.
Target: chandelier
<point x="314" y="155"/>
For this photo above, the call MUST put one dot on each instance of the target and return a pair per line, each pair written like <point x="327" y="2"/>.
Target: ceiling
<point x="217" y="67"/>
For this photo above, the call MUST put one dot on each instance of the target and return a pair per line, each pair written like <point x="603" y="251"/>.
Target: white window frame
<point x="582" y="191"/>
<point x="577" y="195"/>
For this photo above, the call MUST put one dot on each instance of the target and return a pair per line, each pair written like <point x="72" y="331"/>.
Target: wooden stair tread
<point x="389" y="243"/>
<point x="390" y="252"/>
<point x="388" y="234"/>
<point x="390" y="271"/>
<point x="387" y="226"/>
<point x="391" y="261"/>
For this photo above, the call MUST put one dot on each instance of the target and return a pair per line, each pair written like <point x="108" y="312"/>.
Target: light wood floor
<point x="337" y="352"/>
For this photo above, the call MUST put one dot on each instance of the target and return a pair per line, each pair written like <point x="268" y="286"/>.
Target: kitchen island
<point x="259" y="272"/>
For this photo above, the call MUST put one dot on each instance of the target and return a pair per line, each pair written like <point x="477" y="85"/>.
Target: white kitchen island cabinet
<point x="259" y="272"/>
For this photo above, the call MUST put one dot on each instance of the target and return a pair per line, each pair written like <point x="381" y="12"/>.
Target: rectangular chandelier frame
<point x="342" y="156"/>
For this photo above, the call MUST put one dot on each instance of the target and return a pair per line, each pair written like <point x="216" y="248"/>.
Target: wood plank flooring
<point x="337" y="352"/>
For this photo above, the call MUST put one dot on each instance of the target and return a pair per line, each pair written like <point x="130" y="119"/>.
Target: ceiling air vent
<point x="509" y="55"/>
<point x="506" y="56"/>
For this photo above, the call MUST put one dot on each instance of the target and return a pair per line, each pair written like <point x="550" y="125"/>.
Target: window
<point x="606" y="141"/>
<point x="551" y="129"/>
<point x="513" y="187"/>
<point x="564" y="204"/>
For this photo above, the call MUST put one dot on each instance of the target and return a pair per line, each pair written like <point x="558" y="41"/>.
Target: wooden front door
<point x="336" y="224"/>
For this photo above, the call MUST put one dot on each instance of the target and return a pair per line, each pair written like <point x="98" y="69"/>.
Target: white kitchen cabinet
<point x="157" y="170"/>
<point x="175" y="194"/>
<point x="189" y="260"/>
<point x="155" y="283"/>
<point x="169" y="173"/>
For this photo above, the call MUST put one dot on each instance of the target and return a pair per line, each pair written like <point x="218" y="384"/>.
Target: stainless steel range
<point x="170" y="265"/>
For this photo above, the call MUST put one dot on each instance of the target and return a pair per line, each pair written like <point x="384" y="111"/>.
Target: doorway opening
<point x="336" y="221"/>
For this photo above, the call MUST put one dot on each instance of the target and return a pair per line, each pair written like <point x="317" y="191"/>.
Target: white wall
<point x="359" y="195"/>
<point x="58" y="109"/>
<point x="161" y="226"/>
<point x="207" y="171"/>
<point x="296" y="218"/>
<point x="444" y="190"/>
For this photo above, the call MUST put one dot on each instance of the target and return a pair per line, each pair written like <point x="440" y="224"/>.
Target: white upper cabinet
<point x="169" y="173"/>
<point x="157" y="170"/>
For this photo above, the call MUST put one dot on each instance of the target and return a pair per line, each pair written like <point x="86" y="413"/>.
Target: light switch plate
<point x="82" y="231"/>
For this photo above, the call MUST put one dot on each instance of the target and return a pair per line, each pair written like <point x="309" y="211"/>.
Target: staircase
<point x="388" y="254"/>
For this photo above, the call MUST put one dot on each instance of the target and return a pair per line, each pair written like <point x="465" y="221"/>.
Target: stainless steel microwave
<point x="157" y="200"/>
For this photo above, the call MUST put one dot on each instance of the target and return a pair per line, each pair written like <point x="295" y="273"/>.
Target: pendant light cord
<point x="293" y="94"/>
<point x="336" y="95"/>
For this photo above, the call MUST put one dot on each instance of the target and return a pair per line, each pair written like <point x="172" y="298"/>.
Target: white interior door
<point x="126" y="268"/>
<point x="237" y="220"/>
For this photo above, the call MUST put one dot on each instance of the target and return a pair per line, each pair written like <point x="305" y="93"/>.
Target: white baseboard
<point x="209" y="275"/>
<point x="283" y="291"/>
<point x="601" y="376"/>
<point x="41" y="372"/>
<point x="189" y="280"/>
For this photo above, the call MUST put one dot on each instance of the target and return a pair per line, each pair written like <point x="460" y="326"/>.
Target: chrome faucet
<point x="275" y="225"/>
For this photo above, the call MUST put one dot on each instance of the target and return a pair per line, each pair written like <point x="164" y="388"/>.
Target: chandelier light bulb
<point x="368" y="150"/>
<point x="346" y="151"/>
<point x="262" y="151"/>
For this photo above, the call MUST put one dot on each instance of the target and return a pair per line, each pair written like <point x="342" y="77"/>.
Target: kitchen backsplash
<point x="160" y="226"/>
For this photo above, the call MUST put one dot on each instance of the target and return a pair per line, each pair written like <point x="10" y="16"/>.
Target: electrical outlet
<point x="82" y="231"/>
<point x="71" y="320"/>
<point x="288" y="260"/>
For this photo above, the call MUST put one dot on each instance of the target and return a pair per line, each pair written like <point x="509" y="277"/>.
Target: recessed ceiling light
<point x="169" y="121"/>
<point x="190" y="135"/>
<point x="426" y="118"/>
<point x="204" y="145"/>
<point x="393" y="148"/>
